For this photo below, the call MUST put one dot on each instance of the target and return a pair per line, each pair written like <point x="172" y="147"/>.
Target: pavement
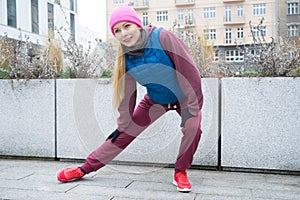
<point x="36" y="179"/>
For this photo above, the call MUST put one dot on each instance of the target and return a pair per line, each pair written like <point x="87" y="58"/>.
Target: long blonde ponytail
<point x="119" y="77"/>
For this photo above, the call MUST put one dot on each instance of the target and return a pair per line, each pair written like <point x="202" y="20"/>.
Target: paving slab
<point x="36" y="180"/>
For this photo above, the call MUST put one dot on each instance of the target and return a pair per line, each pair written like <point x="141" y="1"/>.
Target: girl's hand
<point x="114" y="135"/>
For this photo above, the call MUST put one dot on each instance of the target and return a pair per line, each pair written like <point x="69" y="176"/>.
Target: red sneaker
<point x="69" y="174"/>
<point x="182" y="182"/>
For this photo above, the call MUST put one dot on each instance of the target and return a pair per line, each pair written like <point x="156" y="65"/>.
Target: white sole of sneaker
<point x="181" y="190"/>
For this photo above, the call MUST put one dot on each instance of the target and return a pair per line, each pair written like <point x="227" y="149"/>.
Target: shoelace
<point x="74" y="173"/>
<point x="182" y="177"/>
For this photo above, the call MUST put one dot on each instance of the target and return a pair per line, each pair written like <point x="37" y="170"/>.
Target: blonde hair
<point x="119" y="77"/>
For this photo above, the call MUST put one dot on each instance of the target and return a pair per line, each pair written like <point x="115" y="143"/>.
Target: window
<point x="210" y="34"/>
<point x="240" y="33"/>
<point x="145" y="19"/>
<point x="292" y="55"/>
<point x="72" y="5"/>
<point x="11" y="13"/>
<point x="293" y="30"/>
<point x="228" y="36"/>
<point x="234" y="56"/>
<point x="50" y="19"/>
<point x="293" y="8"/>
<point x="145" y="3"/>
<point x="213" y="34"/>
<point x="206" y="34"/>
<point x="162" y="16"/>
<point x="209" y="13"/>
<point x="35" y="16"/>
<point x="190" y="18"/>
<point x="259" y="9"/>
<point x="118" y="1"/>
<point x="190" y="35"/>
<point x="216" y="56"/>
<point x="72" y="25"/>
<point x="240" y="10"/>
<point x="180" y="15"/>
<point x="259" y="32"/>
<point x="181" y="34"/>
<point x="227" y="14"/>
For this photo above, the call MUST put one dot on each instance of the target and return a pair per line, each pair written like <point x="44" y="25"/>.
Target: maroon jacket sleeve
<point x="187" y="73"/>
<point x="127" y="104"/>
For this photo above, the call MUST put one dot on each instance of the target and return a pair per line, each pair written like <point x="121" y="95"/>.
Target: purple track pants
<point x="144" y="115"/>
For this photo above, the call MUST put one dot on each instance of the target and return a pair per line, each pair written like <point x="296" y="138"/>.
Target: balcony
<point x="190" y="23"/>
<point x="140" y="4"/>
<point x="232" y="1"/>
<point x="234" y="19"/>
<point x="240" y="41"/>
<point x="184" y="2"/>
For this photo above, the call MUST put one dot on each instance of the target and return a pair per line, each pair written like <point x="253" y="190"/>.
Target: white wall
<point x="3" y="18"/>
<point x="23" y="8"/>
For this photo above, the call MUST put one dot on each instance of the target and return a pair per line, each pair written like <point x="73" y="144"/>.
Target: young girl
<point x="161" y="62"/>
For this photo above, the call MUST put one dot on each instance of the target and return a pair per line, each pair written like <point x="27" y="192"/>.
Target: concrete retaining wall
<point x="261" y="123"/>
<point x="88" y="117"/>
<point x="258" y="123"/>
<point x="27" y="118"/>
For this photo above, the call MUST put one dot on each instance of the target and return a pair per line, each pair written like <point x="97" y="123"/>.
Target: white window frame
<point x="209" y="13"/>
<point x="162" y="16"/>
<point x="190" y="18"/>
<point x="240" y="32"/>
<point x="210" y="34"/>
<point x="216" y="56"/>
<point x="293" y="8"/>
<point x="234" y="56"/>
<point x="259" y="9"/>
<point x="145" y="19"/>
<point x="240" y="10"/>
<point x="293" y="30"/>
<point x="118" y="1"/>
<point x="228" y="13"/>
<point x="228" y="36"/>
<point x="206" y="34"/>
<point x="259" y="33"/>
<point x="180" y="16"/>
<point x="190" y="35"/>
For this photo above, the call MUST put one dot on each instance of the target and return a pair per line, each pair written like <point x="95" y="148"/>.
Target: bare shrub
<point x="21" y="59"/>
<point x="275" y="58"/>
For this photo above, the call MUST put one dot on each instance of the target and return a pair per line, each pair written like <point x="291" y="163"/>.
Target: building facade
<point x="289" y="18"/>
<point x="38" y="18"/>
<point x="223" y="23"/>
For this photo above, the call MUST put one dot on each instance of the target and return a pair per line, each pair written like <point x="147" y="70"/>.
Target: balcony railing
<point x="228" y="1"/>
<point x="140" y="4"/>
<point x="190" y="22"/>
<point x="184" y="2"/>
<point x="234" y="19"/>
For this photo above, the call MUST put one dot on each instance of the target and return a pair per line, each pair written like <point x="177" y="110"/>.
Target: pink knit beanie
<point x="124" y="13"/>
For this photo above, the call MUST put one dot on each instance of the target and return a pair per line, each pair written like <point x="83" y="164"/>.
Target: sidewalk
<point x="36" y="179"/>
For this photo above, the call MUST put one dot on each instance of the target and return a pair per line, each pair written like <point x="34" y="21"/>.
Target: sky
<point x="92" y="14"/>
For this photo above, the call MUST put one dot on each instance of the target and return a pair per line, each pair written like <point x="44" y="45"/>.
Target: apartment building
<point x="289" y="18"/>
<point x="38" y="18"/>
<point x="223" y="23"/>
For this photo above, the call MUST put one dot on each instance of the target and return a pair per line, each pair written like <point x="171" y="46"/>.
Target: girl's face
<point x="127" y="33"/>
